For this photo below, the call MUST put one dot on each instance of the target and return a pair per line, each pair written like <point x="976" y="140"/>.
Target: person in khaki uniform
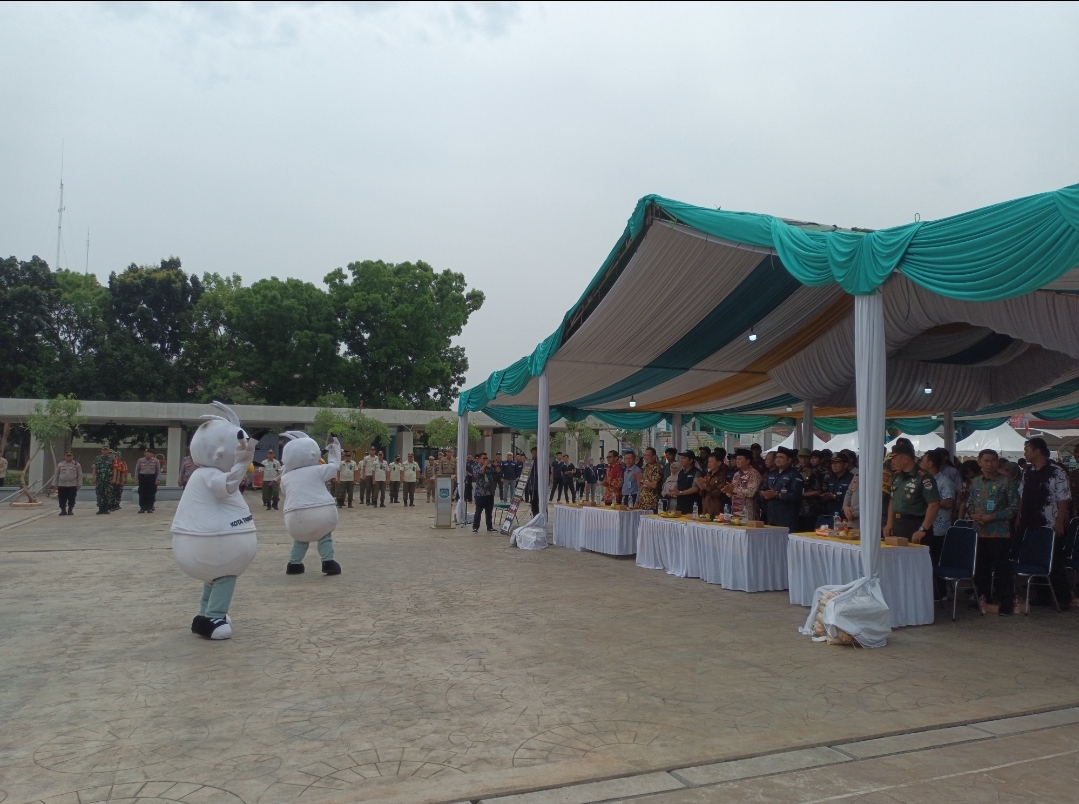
<point x="3" y="469"/>
<point x="395" y="480"/>
<point x="369" y="462"/>
<point x="430" y="470"/>
<point x="346" y="481"/>
<point x="410" y="471"/>
<point x="447" y="467"/>
<point x="381" y="473"/>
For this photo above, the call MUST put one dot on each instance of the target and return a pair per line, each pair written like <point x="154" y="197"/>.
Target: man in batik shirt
<point x="1044" y="501"/>
<point x="745" y="483"/>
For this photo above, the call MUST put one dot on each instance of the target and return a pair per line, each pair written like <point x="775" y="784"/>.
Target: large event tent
<point x="972" y="315"/>
<point x="1003" y="439"/>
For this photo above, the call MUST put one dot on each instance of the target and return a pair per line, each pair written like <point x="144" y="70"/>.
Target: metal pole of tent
<point x="543" y="447"/>
<point x="807" y="425"/>
<point x="949" y="432"/>
<point x="462" y="467"/>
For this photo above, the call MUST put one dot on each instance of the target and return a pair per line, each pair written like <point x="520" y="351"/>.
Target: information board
<point x="518" y="498"/>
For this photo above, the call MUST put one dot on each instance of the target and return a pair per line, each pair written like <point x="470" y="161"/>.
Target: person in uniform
<point x="271" y="479"/>
<point x="506" y="468"/>
<point x="430" y="471"/>
<point x="812" y="488"/>
<point x="410" y="472"/>
<point x="914" y="499"/>
<point x="346" y="481"/>
<point x="369" y="462"/>
<point x="992" y="505"/>
<point x="381" y="472"/>
<point x="3" y="469"/>
<point x="187" y="468"/>
<point x="148" y="473"/>
<point x="102" y="477"/>
<point x="836" y="485"/>
<point x="395" y="479"/>
<point x="686" y="492"/>
<point x="68" y="481"/>
<point x="119" y="479"/>
<point x="783" y="491"/>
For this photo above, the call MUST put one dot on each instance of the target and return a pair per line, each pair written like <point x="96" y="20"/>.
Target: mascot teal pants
<point x="216" y="597"/>
<point x="325" y="550"/>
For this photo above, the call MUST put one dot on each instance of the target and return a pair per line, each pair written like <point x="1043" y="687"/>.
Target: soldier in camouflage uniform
<point x="103" y="480"/>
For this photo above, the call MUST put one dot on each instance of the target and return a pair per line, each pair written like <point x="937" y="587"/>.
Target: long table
<point x="746" y="559"/>
<point x="906" y="574"/>
<point x="596" y="528"/>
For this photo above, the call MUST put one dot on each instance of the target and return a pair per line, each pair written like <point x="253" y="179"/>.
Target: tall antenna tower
<point x="60" y="210"/>
<point x="87" y="269"/>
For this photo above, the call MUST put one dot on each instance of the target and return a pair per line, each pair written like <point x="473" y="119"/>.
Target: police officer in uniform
<point x="103" y="480"/>
<point x="836" y="484"/>
<point x="915" y="500"/>
<point x="783" y="491"/>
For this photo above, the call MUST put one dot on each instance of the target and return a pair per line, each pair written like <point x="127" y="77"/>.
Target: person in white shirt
<point x="271" y="476"/>
<point x="410" y="473"/>
<point x="213" y="532"/>
<point x="381" y="471"/>
<point x="395" y="479"/>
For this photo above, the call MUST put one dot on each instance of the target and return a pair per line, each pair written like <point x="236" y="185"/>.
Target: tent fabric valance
<point x="526" y="418"/>
<point x="835" y="425"/>
<point x="738" y="423"/>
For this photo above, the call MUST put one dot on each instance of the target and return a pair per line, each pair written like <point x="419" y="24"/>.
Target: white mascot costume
<point x="213" y="532"/>
<point x="310" y="511"/>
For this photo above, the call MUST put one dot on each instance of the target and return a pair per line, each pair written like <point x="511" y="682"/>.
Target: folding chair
<point x="826" y="521"/>
<point x="1071" y="542"/>
<point x="1035" y="561"/>
<point x="958" y="555"/>
<point x="964" y="523"/>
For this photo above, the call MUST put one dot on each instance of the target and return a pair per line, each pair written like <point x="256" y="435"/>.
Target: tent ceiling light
<point x="928" y="389"/>
<point x="632" y="402"/>
<point x="789" y="409"/>
<point x="752" y="335"/>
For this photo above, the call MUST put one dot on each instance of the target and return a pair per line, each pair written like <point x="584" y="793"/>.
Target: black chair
<point x="958" y="555"/>
<point x="826" y="521"/>
<point x="964" y="523"/>
<point x="1035" y="561"/>
<point x="1071" y="542"/>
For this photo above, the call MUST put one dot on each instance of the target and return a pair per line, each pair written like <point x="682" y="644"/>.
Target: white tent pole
<point x="676" y="431"/>
<point x="543" y="446"/>
<point x="949" y="433"/>
<point x="807" y="425"/>
<point x="870" y="391"/>
<point x="462" y="467"/>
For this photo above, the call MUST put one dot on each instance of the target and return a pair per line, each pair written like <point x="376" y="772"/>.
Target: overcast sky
<point x="509" y="142"/>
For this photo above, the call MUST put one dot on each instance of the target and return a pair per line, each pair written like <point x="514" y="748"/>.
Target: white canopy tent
<point x="844" y="441"/>
<point x="789" y="442"/>
<point x="1003" y="439"/>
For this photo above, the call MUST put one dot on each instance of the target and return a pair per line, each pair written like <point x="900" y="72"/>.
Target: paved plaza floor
<point x="443" y="666"/>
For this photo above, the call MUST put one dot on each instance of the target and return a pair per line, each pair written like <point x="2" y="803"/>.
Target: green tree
<point x="287" y="337"/>
<point x="397" y="322"/>
<point x="57" y="419"/>
<point x="442" y="432"/>
<point x="28" y="297"/>
<point x="633" y="438"/>
<point x="354" y="429"/>
<point x="582" y="435"/>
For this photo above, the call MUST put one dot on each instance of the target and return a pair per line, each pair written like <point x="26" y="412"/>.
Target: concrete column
<point x="676" y="431"/>
<point x="404" y="443"/>
<point x="36" y="476"/>
<point x="174" y="454"/>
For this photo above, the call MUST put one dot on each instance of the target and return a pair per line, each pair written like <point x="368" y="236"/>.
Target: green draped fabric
<point x="997" y="252"/>
<point x="835" y="425"/>
<point x="739" y="424"/>
<point x="519" y="418"/>
<point x="920" y="426"/>
<point x="628" y="421"/>
<point x="1061" y="414"/>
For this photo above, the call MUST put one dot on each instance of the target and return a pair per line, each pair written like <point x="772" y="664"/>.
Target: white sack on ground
<point x="532" y="535"/>
<point x="857" y="609"/>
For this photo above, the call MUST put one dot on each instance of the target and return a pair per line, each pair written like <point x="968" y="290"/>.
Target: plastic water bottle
<point x="694" y="510"/>
<point x="727" y="510"/>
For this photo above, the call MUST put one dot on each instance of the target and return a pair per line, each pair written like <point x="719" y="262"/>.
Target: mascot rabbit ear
<point x="294" y="435"/>
<point x="230" y="415"/>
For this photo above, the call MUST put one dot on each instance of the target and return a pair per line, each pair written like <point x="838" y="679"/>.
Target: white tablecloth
<point x="906" y="575"/>
<point x="567" y="526"/>
<point x="735" y="558"/>
<point x="604" y="530"/>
